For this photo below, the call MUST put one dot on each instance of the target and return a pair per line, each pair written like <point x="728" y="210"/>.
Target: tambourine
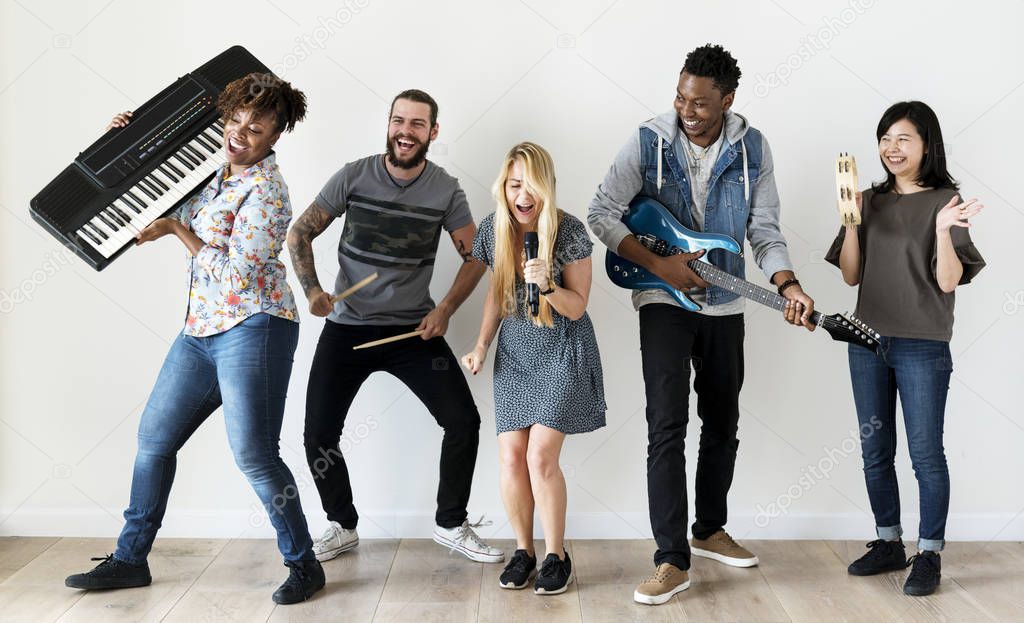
<point x="846" y="189"/>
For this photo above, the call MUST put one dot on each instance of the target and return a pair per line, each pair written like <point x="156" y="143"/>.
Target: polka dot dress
<point x="550" y="376"/>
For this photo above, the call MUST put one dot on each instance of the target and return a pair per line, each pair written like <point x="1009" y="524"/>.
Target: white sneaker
<point x="464" y="540"/>
<point x="334" y="541"/>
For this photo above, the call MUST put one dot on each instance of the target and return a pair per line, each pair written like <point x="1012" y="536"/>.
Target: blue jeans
<point x="919" y="371"/>
<point x="245" y="368"/>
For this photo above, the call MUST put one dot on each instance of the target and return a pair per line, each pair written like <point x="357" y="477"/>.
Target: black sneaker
<point x="555" y="575"/>
<point x="882" y="556"/>
<point x="111" y="573"/>
<point x="924" y="575"/>
<point x="518" y="571"/>
<point x="304" y="578"/>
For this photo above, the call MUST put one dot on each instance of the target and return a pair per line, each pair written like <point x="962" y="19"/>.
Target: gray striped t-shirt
<point x="392" y="228"/>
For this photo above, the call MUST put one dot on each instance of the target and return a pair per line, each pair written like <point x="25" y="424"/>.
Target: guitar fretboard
<point x="715" y="275"/>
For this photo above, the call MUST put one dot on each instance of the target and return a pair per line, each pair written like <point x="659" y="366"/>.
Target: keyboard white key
<point x="92" y="236"/>
<point x="108" y="227"/>
<point x="110" y="242"/>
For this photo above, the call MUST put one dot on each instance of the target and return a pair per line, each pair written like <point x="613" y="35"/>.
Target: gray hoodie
<point x="624" y="181"/>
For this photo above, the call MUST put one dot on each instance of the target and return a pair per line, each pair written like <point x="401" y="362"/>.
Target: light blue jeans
<point x="245" y="369"/>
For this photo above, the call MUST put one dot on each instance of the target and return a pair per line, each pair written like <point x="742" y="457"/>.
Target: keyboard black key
<point x="186" y="163"/>
<point x="156" y="180"/>
<point x="214" y="139"/>
<point x="205" y="142"/>
<point x="145" y="190"/>
<point x="117" y="211"/>
<point x="172" y="171"/>
<point x="107" y="221"/>
<point x="138" y="202"/>
<point x="131" y="206"/>
<point x="90" y="236"/>
<point x="151" y="184"/>
<point x="195" y="153"/>
<point x="99" y="232"/>
<point x="114" y="217"/>
<point x="186" y="159"/>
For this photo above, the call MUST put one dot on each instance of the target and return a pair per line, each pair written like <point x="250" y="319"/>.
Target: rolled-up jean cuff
<point x="889" y="533"/>
<point x="931" y="545"/>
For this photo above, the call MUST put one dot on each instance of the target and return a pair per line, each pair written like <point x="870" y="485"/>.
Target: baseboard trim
<point x="606" y="525"/>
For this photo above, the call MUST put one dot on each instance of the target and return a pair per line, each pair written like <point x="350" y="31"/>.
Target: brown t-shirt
<point x="898" y="294"/>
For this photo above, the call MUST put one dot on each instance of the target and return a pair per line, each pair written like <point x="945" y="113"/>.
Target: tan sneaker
<point x="667" y="580"/>
<point x="720" y="546"/>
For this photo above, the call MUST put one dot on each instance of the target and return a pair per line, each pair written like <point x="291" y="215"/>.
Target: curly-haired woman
<point x="237" y="344"/>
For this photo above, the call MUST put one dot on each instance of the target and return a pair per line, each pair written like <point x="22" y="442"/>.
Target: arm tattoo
<point x="309" y="225"/>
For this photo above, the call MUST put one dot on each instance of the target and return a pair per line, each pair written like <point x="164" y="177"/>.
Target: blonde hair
<point x="539" y="182"/>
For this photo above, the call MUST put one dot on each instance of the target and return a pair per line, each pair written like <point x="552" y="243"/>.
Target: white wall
<point x="80" y="350"/>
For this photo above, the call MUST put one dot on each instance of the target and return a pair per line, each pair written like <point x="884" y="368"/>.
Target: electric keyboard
<point x="136" y="174"/>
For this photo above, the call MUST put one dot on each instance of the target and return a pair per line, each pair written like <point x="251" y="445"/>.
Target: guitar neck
<point x="716" y="276"/>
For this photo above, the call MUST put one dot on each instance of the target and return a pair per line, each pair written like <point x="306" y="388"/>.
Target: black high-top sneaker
<point x="305" y="577"/>
<point x="882" y="556"/>
<point x="925" y="574"/>
<point x="111" y="573"/>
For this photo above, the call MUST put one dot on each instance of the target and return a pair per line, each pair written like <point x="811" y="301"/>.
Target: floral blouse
<point x="243" y="219"/>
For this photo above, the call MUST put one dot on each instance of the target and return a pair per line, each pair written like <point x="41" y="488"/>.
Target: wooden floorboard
<point x="355" y="583"/>
<point x="501" y="605"/>
<point x="607" y="573"/>
<point x="417" y="580"/>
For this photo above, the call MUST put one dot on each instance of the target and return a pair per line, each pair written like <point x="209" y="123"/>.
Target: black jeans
<point x="673" y="341"/>
<point x="430" y="370"/>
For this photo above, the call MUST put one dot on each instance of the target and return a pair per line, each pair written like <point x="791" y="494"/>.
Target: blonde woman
<point x="547" y="368"/>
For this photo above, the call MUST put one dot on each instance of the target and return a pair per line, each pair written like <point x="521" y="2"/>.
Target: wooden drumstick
<point x="846" y="189"/>
<point x="360" y="284"/>
<point x="387" y="340"/>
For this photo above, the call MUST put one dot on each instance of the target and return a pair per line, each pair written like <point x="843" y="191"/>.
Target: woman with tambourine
<point x="907" y="255"/>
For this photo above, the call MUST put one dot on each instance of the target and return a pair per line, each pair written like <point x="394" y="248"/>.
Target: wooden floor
<point x="416" y="580"/>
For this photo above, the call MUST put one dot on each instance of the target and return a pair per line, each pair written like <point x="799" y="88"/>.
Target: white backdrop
<point x="80" y="349"/>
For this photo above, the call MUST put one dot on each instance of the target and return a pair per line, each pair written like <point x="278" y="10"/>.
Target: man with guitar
<point x="714" y="173"/>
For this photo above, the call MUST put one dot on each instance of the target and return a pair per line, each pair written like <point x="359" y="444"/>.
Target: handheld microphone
<point x="530" y="245"/>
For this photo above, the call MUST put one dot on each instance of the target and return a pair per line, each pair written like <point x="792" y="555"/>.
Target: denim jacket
<point x="743" y="201"/>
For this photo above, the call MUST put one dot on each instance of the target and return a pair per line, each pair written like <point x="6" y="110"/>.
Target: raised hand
<point x="955" y="214"/>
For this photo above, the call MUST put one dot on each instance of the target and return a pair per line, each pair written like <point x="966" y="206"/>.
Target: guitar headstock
<point x="849" y="328"/>
<point x="846" y="189"/>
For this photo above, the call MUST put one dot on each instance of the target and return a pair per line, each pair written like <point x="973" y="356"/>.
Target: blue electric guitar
<point x="655" y="227"/>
